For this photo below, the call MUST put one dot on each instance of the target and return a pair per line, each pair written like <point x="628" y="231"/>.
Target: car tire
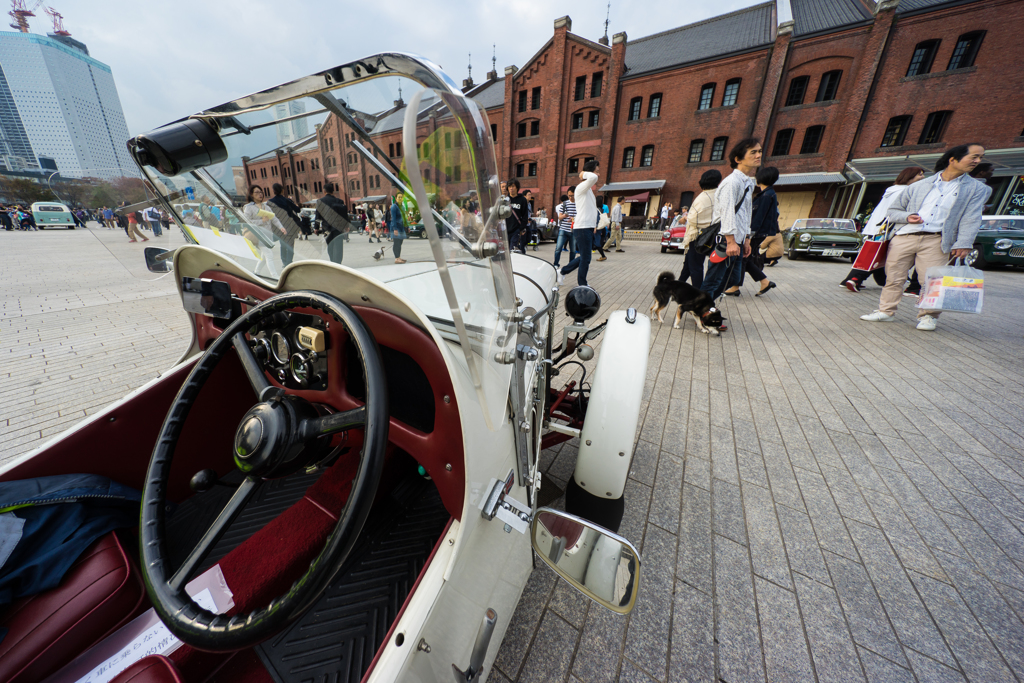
<point x="791" y="254"/>
<point x="976" y="259"/>
<point x="853" y="259"/>
<point x="664" y="250"/>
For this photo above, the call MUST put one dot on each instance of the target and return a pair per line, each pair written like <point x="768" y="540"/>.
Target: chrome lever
<point x="476" y="659"/>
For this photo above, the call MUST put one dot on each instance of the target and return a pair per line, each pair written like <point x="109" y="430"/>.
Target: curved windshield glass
<point x="390" y="170"/>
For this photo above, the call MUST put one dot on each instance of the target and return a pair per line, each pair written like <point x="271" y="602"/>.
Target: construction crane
<point x="21" y="11"/>
<point x="58" y="21"/>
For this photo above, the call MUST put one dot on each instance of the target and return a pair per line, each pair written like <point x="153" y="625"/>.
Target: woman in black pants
<point x="764" y="222"/>
<point x="697" y="219"/>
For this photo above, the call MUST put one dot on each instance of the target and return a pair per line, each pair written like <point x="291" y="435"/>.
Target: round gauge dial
<point x="300" y="369"/>
<point x="280" y="348"/>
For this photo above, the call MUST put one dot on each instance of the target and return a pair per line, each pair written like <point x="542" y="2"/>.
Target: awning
<point x="632" y="186"/>
<point x="642" y="197"/>
<point x="1007" y="162"/>
<point x="371" y="200"/>
<point x="810" y="179"/>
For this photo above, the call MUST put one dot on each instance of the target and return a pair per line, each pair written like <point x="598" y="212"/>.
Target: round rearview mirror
<point x="603" y="566"/>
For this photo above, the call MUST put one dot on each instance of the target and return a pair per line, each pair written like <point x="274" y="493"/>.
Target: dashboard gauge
<point x="301" y="371"/>
<point x="280" y="348"/>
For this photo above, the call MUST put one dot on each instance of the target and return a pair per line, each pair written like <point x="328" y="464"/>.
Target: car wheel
<point x="852" y="258"/>
<point x="975" y="259"/>
<point x="792" y="254"/>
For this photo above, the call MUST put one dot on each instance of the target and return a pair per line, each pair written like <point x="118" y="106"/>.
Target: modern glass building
<point x="58" y="102"/>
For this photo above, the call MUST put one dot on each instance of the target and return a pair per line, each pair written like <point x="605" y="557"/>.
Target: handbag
<point x="706" y="239"/>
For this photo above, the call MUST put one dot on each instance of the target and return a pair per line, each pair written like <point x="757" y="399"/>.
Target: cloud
<point x="172" y="59"/>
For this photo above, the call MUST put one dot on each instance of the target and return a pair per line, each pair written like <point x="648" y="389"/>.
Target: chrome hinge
<point x="499" y="504"/>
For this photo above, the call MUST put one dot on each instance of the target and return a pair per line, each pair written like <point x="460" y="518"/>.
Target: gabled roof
<point x="816" y="16"/>
<point x="396" y="118"/>
<point x="489" y="95"/>
<point x="906" y="6"/>
<point x="734" y="32"/>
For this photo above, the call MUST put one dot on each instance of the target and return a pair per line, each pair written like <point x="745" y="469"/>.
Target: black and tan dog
<point x="690" y="299"/>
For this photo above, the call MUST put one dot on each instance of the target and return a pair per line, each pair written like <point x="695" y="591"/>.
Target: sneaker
<point x="851" y="285"/>
<point x="561" y="278"/>
<point x="927" y="323"/>
<point x="878" y="317"/>
<point x="911" y="293"/>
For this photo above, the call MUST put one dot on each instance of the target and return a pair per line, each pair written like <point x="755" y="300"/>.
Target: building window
<point x="896" y="131"/>
<point x="732" y="91"/>
<point x="531" y="170"/>
<point x="934" y="127"/>
<point x="521" y="130"/>
<point x="534" y="127"/>
<point x="522" y="101"/>
<point x="647" y="156"/>
<point x="595" y="84"/>
<point x="797" y="90"/>
<point x="707" y="94"/>
<point x="581" y="88"/>
<point x="812" y="140"/>
<point x="391" y="151"/>
<point x="447" y="140"/>
<point x="829" y="86"/>
<point x="924" y="55"/>
<point x="458" y="173"/>
<point x="273" y="170"/>
<point x="654" y="106"/>
<point x="574" y="165"/>
<point x="627" y="157"/>
<point x="696" y="151"/>
<point x="718" y="149"/>
<point x="783" y="139"/>
<point x="577" y="121"/>
<point x="593" y="118"/>
<point x="535" y="98"/>
<point x="520" y="168"/>
<point x="263" y="173"/>
<point x="966" y="50"/>
<point x="447" y="174"/>
<point x="494" y="132"/>
<point x="634" y="108"/>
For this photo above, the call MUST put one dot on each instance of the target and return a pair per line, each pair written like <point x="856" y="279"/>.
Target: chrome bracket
<point x="499" y="504"/>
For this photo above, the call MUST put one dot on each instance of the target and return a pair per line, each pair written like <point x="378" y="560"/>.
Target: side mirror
<point x="159" y="260"/>
<point x="603" y="566"/>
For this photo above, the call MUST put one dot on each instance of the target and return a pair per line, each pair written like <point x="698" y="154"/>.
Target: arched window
<point x="654" y="106"/>
<point x="634" y="108"/>
<point x="797" y="90"/>
<point x="896" y="131"/>
<point x="966" y="50"/>
<point x="647" y="156"/>
<point x="696" y="151"/>
<point x="627" y="157"/>
<point x="828" y="89"/>
<point x="812" y="140"/>
<point x="718" y="148"/>
<point x="934" y="127"/>
<point x="783" y="141"/>
<point x="731" y="92"/>
<point x="924" y="55"/>
<point x="707" y="95"/>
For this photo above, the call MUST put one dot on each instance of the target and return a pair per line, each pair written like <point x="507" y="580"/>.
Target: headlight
<point x="1003" y="244"/>
<point x="666" y="235"/>
<point x="805" y="237"/>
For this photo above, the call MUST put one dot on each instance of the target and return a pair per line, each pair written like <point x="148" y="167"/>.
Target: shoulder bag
<point x="705" y="241"/>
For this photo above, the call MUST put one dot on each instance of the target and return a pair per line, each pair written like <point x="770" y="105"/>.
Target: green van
<point x="52" y="215"/>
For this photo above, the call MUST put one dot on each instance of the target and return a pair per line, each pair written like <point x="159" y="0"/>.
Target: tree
<point x="131" y="190"/>
<point x="23" y="190"/>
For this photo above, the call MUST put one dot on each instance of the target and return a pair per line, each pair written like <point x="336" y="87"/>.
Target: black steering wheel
<point x="278" y="436"/>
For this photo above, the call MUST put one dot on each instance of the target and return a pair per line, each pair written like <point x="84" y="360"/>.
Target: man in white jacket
<point x="585" y="223"/>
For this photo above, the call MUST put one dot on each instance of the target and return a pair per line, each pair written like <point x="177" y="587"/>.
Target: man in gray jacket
<point x="936" y="218"/>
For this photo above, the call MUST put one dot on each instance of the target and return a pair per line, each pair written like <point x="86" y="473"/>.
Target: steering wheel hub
<point x="249" y="437"/>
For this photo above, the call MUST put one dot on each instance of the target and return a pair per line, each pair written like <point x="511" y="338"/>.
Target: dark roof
<point x="918" y="5"/>
<point x="734" y="32"/>
<point x="493" y="95"/>
<point x="815" y="16"/>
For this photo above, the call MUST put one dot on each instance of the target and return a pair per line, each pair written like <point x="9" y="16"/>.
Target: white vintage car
<point x="339" y="479"/>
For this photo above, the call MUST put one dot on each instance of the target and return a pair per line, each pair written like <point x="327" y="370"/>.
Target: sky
<point x="172" y="59"/>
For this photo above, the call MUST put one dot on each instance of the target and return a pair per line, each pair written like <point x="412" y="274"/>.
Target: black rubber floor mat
<point x="337" y="639"/>
<point x="194" y="516"/>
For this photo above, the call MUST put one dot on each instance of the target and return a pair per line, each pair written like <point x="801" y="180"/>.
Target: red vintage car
<point x="673" y="239"/>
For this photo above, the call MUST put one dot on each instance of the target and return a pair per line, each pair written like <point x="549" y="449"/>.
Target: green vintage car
<point x="1000" y="241"/>
<point x="836" y="237"/>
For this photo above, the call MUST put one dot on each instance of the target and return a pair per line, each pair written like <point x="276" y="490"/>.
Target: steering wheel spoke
<point x="253" y="371"/>
<point x="334" y="423"/>
<point x="235" y="504"/>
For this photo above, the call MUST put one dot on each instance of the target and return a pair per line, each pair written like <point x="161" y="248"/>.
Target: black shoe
<point x="771" y="285"/>
<point x="736" y="293"/>
<point x="772" y="262"/>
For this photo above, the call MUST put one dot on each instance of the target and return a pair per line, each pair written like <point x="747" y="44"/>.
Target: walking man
<point x="664" y="217"/>
<point x="287" y="212"/>
<point x="733" y="208"/>
<point x="565" y="213"/>
<point x="152" y="216"/>
<point x="333" y="215"/>
<point x="616" y="237"/>
<point x="938" y="219"/>
<point x="585" y="224"/>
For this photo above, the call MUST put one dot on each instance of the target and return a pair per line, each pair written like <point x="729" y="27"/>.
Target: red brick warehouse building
<point x="843" y="96"/>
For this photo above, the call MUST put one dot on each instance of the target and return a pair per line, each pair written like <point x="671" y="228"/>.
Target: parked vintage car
<point x="1000" y="241"/>
<point x="339" y="480"/>
<point x="837" y="237"/>
<point x="52" y="215"/>
<point x="672" y="239"/>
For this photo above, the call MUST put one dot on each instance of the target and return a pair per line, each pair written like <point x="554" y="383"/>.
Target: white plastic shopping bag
<point x="955" y="289"/>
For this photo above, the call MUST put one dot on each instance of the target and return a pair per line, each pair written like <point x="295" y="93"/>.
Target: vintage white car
<point x="339" y="479"/>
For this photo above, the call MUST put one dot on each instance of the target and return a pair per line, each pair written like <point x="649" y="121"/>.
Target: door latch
<point x="499" y="504"/>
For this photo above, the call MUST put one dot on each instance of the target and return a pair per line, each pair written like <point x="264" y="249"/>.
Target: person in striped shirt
<point x="566" y="212"/>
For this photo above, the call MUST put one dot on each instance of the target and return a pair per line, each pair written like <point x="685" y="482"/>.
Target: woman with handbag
<point x="876" y="229"/>
<point x="698" y="218"/>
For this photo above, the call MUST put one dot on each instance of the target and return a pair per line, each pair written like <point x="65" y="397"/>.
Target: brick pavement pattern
<point x="815" y="498"/>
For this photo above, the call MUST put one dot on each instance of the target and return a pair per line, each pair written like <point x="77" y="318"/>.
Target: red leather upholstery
<point x="152" y="669"/>
<point x="100" y="592"/>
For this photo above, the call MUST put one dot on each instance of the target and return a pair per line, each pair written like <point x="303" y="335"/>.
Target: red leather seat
<point x="100" y="592"/>
<point x="152" y="669"/>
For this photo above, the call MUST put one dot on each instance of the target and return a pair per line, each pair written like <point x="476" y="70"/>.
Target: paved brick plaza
<point x="843" y="502"/>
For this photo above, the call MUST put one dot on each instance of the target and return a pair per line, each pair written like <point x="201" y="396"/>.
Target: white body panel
<point x="606" y="440"/>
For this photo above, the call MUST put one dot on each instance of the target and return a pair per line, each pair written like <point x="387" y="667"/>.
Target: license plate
<point x="832" y="252"/>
